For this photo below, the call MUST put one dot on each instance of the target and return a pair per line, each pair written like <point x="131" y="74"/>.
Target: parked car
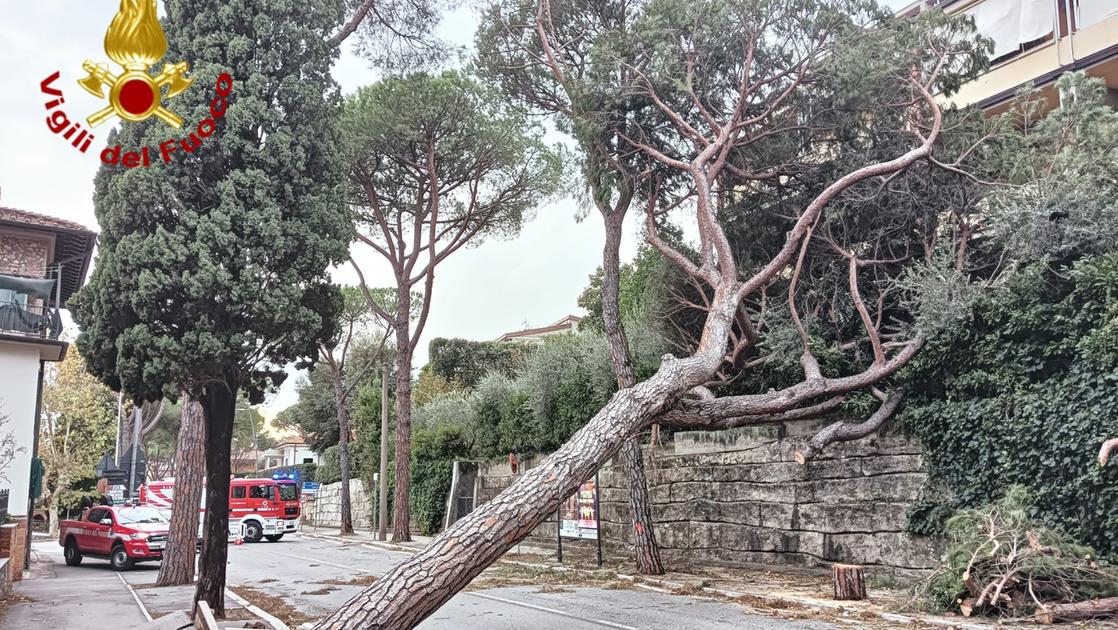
<point x="124" y="535"/>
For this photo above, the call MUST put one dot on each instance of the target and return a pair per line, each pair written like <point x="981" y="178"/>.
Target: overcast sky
<point x="480" y="292"/>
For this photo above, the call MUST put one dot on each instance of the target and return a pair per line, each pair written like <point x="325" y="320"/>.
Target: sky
<point x="480" y="292"/>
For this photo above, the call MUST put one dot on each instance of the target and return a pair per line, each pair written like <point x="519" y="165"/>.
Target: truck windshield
<point x="128" y="516"/>
<point x="287" y="492"/>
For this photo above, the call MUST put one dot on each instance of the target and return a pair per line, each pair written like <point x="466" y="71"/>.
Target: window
<point x="259" y="492"/>
<point x="238" y="492"/>
<point x="288" y="492"/>
<point x="308" y="460"/>
<point x="141" y="515"/>
<point x="96" y="515"/>
<point x="8" y="296"/>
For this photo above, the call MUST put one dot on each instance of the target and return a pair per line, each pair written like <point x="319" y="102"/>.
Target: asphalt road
<point x="307" y="572"/>
<point x="316" y="576"/>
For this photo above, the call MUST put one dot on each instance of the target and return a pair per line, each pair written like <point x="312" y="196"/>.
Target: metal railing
<point x="32" y="320"/>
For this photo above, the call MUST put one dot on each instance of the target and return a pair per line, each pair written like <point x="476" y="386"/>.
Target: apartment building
<point x="1036" y="41"/>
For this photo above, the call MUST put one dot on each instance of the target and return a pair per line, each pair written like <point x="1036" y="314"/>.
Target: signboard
<point x="310" y="488"/>
<point x="578" y="517"/>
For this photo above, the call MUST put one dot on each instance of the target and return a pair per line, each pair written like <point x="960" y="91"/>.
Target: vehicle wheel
<point x="253" y="532"/>
<point x="72" y="553"/>
<point x="120" y="559"/>
<point x="274" y="537"/>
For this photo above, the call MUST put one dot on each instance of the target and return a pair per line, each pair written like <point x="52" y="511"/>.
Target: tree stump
<point x="850" y="581"/>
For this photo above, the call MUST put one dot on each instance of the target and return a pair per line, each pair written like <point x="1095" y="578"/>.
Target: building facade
<point x="43" y="261"/>
<point x="1035" y="42"/>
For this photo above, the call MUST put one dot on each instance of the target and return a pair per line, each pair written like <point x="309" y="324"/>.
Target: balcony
<point x="26" y="308"/>
<point x="1035" y="41"/>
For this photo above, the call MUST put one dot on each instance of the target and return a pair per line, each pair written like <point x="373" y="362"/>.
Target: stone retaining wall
<point x="325" y="509"/>
<point x="738" y="498"/>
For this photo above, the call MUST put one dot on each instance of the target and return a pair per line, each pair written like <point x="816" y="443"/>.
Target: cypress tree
<point x="212" y="269"/>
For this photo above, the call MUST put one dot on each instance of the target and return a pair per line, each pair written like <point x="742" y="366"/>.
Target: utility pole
<point x="382" y="526"/>
<point x="137" y="421"/>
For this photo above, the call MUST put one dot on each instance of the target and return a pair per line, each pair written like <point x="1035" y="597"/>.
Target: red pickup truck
<point x="125" y="535"/>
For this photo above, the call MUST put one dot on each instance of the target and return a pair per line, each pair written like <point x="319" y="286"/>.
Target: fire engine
<point x="260" y="508"/>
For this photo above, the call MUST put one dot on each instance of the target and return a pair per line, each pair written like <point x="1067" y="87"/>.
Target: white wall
<point x="19" y="382"/>
<point x="293" y="455"/>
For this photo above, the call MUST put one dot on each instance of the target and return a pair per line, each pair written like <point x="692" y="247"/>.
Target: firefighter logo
<point x="135" y="41"/>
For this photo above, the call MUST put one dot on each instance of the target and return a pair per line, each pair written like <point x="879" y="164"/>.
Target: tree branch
<point x="846" y="432"/>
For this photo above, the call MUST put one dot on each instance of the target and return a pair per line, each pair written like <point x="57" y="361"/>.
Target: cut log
<point x="1079" y="611"/>
<point x="850" y="581"/>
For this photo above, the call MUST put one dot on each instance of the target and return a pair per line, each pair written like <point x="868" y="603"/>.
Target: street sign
<point x="311" y="488"/>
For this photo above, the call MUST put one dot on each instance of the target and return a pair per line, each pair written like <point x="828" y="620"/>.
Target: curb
<point x="264" y="616"/>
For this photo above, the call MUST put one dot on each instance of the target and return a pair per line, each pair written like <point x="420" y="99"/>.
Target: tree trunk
<point x="219" y="402"/>
<point x="343" y="455"/>
<point x="1078" y="611"/>
<point x="177" y="566"/>
<point x="850" y="581"/>
<point x="415" y="588"/>
<point x="401" y="506"/>
<point x="645" y="549"/>
<point x="52" y="515"/>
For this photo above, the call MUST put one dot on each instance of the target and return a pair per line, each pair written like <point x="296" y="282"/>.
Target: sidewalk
<point x="55" y="596"/>
<point x="57" y="599"/>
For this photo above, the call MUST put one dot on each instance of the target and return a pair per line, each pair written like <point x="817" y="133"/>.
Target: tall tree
<point x="177" y="565"/>
<point x="728" y="78"/>
<point x="543" y="55"/>
<point x="76" y="428"/>
<point x="346" y="376"/>
<point x="436" y="162"/>
<point x="212" y="269"/>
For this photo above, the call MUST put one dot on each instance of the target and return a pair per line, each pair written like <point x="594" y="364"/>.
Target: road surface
<point x="315" y="576"/>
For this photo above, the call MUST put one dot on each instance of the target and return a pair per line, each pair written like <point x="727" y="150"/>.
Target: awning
<point x="32" y="287"/>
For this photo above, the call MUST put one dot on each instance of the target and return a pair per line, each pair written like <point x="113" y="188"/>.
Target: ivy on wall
<point x="1025" y="394"/>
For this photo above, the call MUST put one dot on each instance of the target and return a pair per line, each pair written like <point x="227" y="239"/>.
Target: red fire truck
<point x="260" y="508"/>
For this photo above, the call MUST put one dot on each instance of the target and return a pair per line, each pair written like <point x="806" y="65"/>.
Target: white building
<point x="43" y="261"/>
<point x="288" y="453"/>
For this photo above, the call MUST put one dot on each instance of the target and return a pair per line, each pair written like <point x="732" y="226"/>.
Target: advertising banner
<point x="579" y="515"/>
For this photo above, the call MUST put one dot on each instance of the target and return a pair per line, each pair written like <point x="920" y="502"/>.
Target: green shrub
<point x="329" y="470"/>
<point x="1000" y="559"/>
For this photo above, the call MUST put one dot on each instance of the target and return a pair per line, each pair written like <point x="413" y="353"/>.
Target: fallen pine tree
<point x="1002" y="561"/>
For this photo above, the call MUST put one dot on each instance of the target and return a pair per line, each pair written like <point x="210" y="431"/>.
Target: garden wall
<point x="738" y="498"/>
<point x="325" y="509"/>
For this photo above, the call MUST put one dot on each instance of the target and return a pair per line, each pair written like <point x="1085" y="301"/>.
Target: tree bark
<point x="1078" y="611"/>
<point x="177" y="566"/>
<point x="343" y="455"/>
<point x="850" y="582"/>
<point x="401" y="506"/>
<point x="645" y="550"/>
<point x="219" y="403"/>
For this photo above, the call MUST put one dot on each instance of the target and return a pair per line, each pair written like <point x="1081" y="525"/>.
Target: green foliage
<point x="1063" y="203"/>
<point x="329" y="470"/>
<point x="1002" y="543"/>
<point x="214" y="267"/>
<point x="77" y="427"/>
<point x="464" y="362"/>
<point x="433" y="454"/>
<point x="1025" y="393"/>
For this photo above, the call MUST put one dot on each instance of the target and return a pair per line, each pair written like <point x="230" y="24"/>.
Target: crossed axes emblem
<point x="135" y="95"/>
